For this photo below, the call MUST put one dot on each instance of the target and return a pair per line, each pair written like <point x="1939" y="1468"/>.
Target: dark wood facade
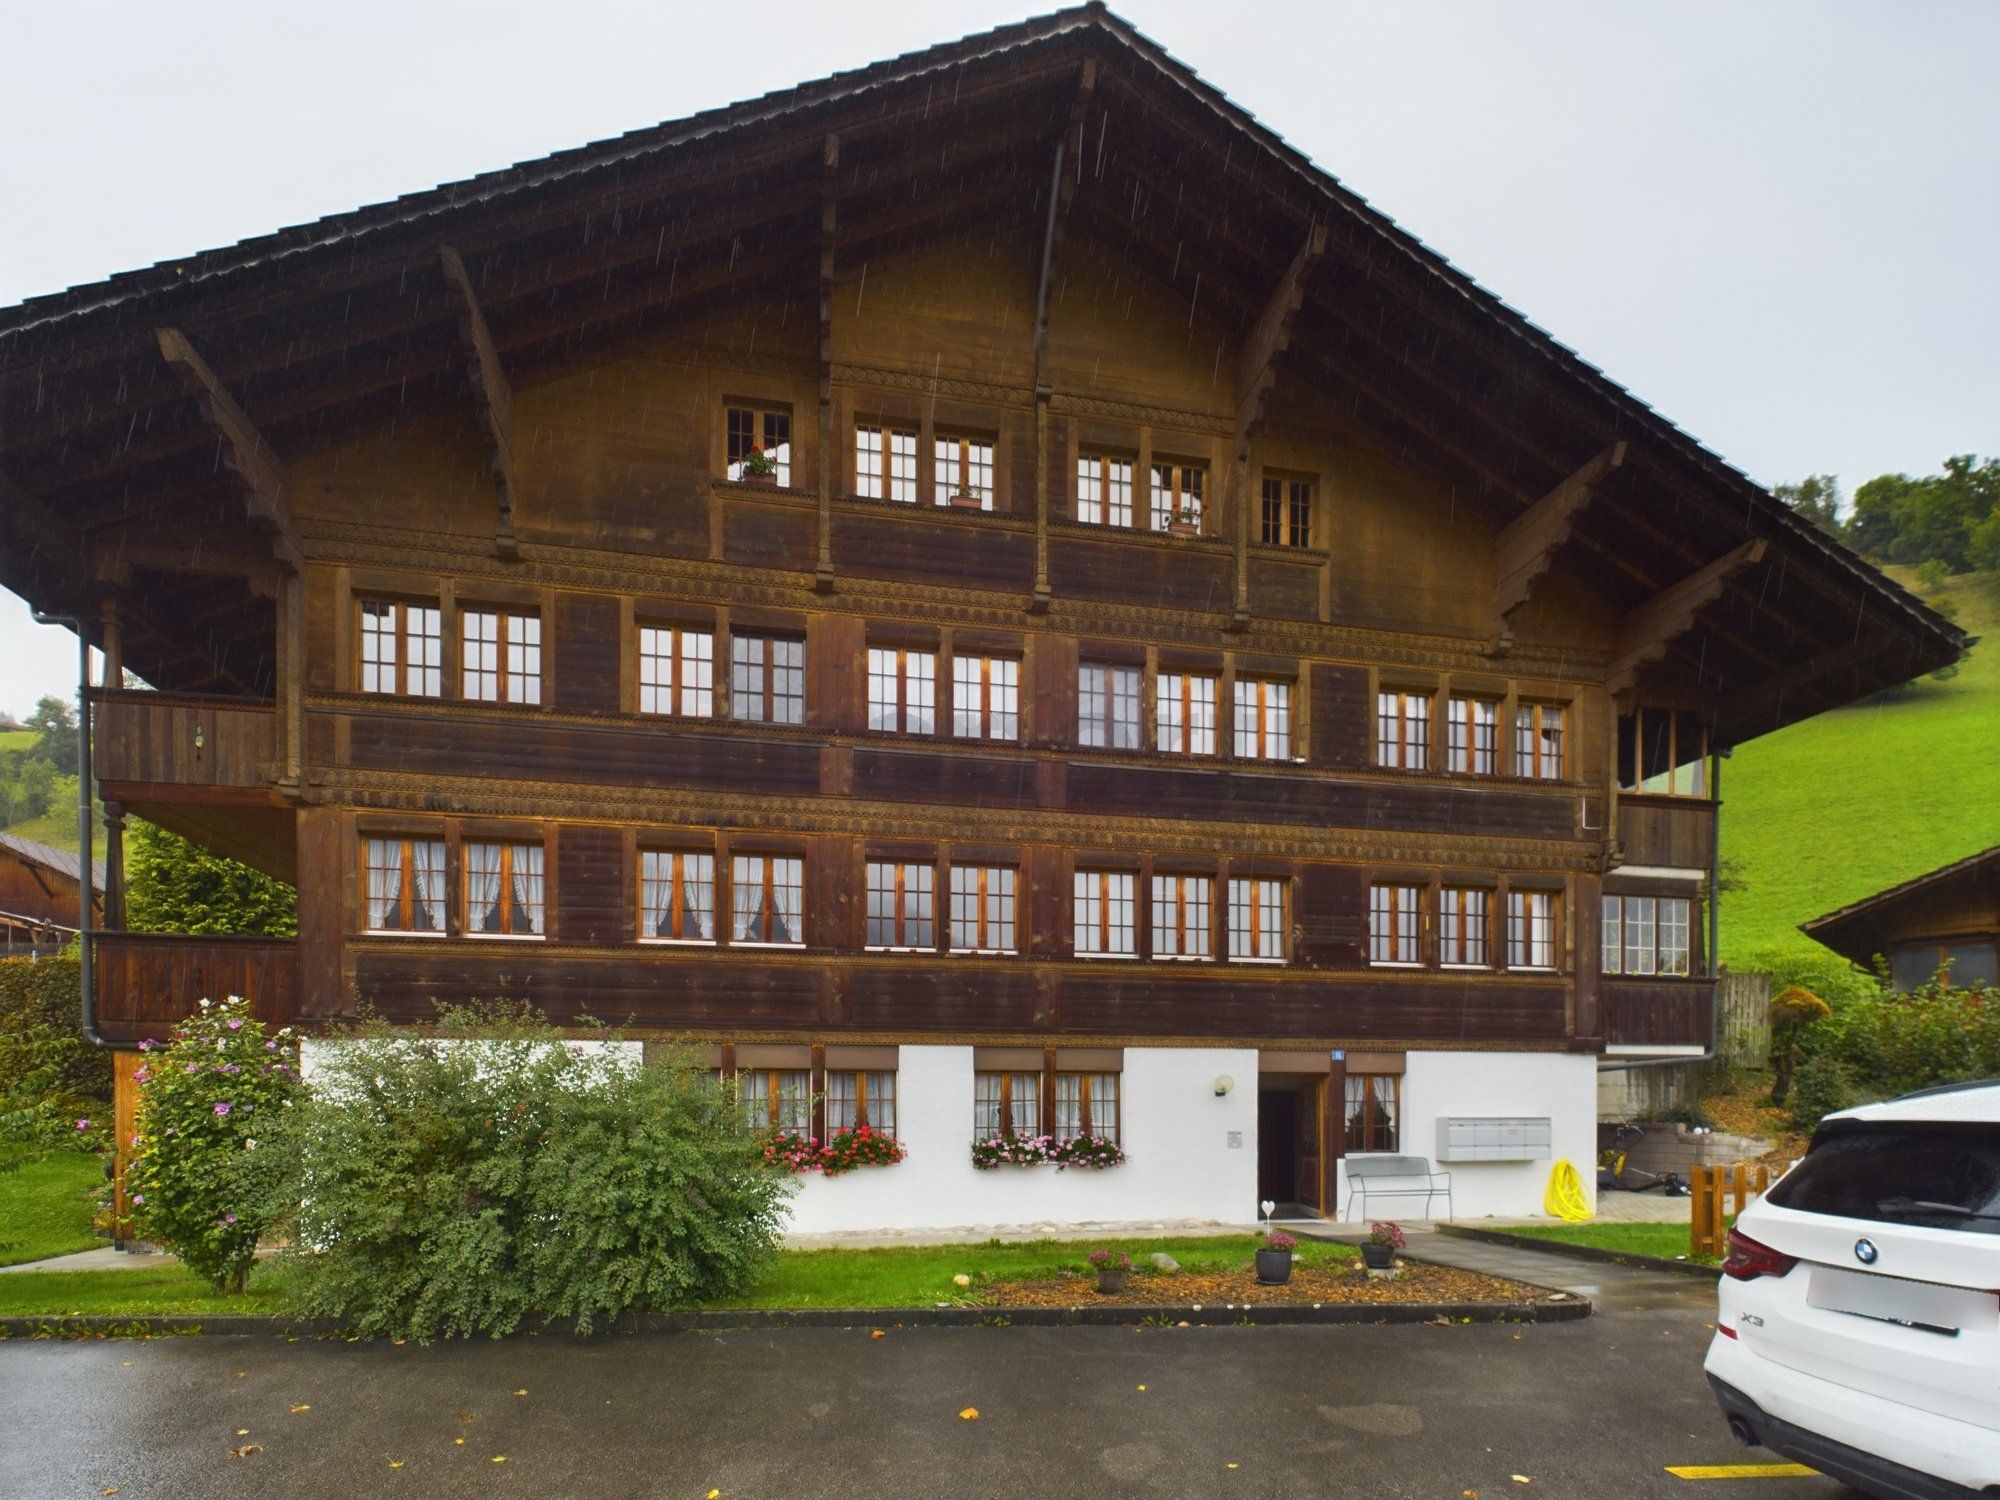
<point x="1944" y="924"/>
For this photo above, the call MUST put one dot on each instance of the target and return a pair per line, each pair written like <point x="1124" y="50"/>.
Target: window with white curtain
<point x="1006" y="1104"/>
<point x="503" y="889"/>
<point x="777" y="1099"/>
<point x="765" y="899"/>
<point x="855" y="1099"/>
<point x="1086" y="1105"/>
<point x="404" y="883"/>
<point x="676" y="896"/>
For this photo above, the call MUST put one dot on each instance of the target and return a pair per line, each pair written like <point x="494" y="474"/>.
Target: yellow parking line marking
<point x="1739" y="1471"/>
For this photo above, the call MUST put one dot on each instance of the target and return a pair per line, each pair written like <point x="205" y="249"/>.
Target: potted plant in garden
<point x="1112" y="1267"/>
<point x="760" y="468"/>
<point x="1274" y="1259"/>
<point x="1185" y="522"/>
<point x="1385" y="1238"/>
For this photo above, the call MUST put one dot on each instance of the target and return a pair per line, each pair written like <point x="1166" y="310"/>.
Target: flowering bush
<point x="758" y="461"/>
<point x="863" y="1146"/>
<point x="1091" y="1151"/>
<point x="219" y="1083"/>
<point x="1032" y="1150"/>
<point x="1110" y="1260"/>
<point x="1386" y="1232"/>
<point x="1279" y="1240"/>
<point x="792" y="1153"/>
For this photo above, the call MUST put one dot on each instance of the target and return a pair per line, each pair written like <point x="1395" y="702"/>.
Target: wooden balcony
<point x="1658" y="1012"/>
<point x="144" y="740"/>
<point x="147" y="981"/>
<point x="1676" y="832"/>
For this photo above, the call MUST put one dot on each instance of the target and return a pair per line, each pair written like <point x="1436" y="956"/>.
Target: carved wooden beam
<point x="1645" y="633"/>
<point x="1529" y="543"/>
<point x="1063" y="178"/>
<point x="495" y="394"/>
<point x="829" y="204"/>
<point x="257" y="467"/>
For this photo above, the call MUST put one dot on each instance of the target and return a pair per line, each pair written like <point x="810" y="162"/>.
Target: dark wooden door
<point x="1311" y="1099"/>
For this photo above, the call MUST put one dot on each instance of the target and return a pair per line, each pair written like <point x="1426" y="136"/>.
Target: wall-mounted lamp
<point x="1223" y="1084"/>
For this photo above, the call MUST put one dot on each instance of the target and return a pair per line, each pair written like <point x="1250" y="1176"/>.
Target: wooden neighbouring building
<point x="1196" y="668"/>
<point x="40" y="902"/>
<point x="1944" y="924"/>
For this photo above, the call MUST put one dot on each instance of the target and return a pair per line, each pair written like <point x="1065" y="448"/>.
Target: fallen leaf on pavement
<point x="1142" y="1387"/>
<point x="458" y="1442"/>
<point x="878" y="1334"/>
<point x="243" y="1432"/>
<point x="246" y="1450"/>
<point x="395" y="1463"/>
<point x="499" y="1458"/>
<point x="465" y="1416"/>
<point x="1521" y="1479"/>
<point x="970" y="1414"/>
<point x="297" y="1409"/>
<point x="112" y="1491"/>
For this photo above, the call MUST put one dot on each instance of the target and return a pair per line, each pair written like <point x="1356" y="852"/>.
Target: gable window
<point x="1538" y="741"/>
<point x="1006" y="1104"/>
<point x="986" y="697"/>
<point x="1403" y="730"/>
<point x="1086" y="1105"/>
<point x="767" y="679"/>
<point x="1287" y="511"/>
<point x="1395" y="924"/>
<point x="401" y="648"/>
<point x="964" y="467"/>
<point x="776" y="1099"/>
<point x="900" y="906"/>
<point x="1663" y="752"/>
<point x="676" y="896"/>
<point x="1257" y="921"/>
<point x="1107" y="706"/>
<point x="1531" y="929"/>
<point x="1472" y="736"/>
<point x="857" y="1099"/>
<point x="982" y="909"/>
<point x="1184" y="714"/>
<point x="1371" y="1112"/>
<point x="1177" y="495"/>
<point x="902" y="690"/>
<point x="1103" y="490"/>
<point x="1263" y="719"/>
<point x="759" y="435"/>
<point x="404" y="881"/>
<point x="1183" y="907"/>
<point x="503" y="889"/>
<point x="1955" y="963"/>
<point x="1645" y="934"/>
<point x="1102" y="908"/>
<point x="885" y="463"/>
<point x="500" y="656"/>
<point x="676" y="671"/>
<point x="1462" y="927"/>
<point x="765" y="896"/>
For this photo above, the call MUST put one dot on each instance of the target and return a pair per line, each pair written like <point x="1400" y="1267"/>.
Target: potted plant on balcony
<point x="963" y="498"/>
<point x="760" y="468"/>
<point x="1185" y="521"/>
<point x="1385" y="1238"/>
<point x="1112" y="1267"/>
<point x="1274" y="1259"/>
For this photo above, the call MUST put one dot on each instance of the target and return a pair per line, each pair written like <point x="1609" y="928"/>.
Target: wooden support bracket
<point x="495" y="395"/>
<point x="258" y="469"/>
<point x="1528" y="545"/>
<point x="829" y="204"/>
<point x="1645" y="633"/>
<point x="1064" y="175"/>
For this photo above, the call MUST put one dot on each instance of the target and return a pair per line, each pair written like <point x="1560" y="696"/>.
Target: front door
<point x="1309" y="1130"/>
<point x="1277" y="1144"/>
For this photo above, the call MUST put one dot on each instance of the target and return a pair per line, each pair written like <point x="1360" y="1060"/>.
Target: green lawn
<point x="18" y="739"/>
<point x="1839" y="806"/>
<point x="46" y="1205"/>
<point x="134" y="1294"/>
<point x="1667" y="1241"/>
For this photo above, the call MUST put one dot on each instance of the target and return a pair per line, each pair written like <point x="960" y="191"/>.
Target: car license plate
<point x="1890" y="1299"/>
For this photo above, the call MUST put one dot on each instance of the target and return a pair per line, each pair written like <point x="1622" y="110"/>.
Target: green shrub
<point x="1825" y="974"/>
<point x="220" y="1083"/>
<point x="458" y="1180"/>
<point x="50" y="1078"/>
<point x="1821" y="1085"/>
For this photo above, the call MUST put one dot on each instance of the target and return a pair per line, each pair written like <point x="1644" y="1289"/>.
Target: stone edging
<point x="1580" y="1252"/>
<point x="1084" y="1315"/>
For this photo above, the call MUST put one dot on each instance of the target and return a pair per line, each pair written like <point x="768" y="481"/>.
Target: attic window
<point x="885" y="462"/>
<point x="964" y="468"/>
<point x="1177" y="494"/>
<point x="1287" y="511"/>
<point x="1103" y="490"/>
<point x="760" y="435"/>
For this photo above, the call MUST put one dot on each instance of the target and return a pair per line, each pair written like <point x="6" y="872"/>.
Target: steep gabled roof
<point x="59" y="862"/>
<point x="1854" y="930"/>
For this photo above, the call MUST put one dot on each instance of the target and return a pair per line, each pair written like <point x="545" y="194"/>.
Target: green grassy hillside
<point x="1830" y="810"/>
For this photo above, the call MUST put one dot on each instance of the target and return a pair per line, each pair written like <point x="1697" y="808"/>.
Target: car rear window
<point x="1942" y="1176"/>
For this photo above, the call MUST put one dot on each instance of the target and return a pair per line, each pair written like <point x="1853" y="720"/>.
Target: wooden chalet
<point x="40" y="900"/>
<point x="1942" y="923"/>
<point x="986" y="590"/>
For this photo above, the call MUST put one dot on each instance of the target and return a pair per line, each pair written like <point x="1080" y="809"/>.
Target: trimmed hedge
<point x="41" y="1015"/>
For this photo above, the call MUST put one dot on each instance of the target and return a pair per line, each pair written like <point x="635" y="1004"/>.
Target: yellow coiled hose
<point x="1566" y="1198"/>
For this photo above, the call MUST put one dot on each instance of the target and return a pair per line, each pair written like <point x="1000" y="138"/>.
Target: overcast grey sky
<point x="1778" y="223"/>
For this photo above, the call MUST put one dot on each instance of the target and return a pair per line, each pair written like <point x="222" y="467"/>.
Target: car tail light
<point x="1725" y="1330"/>
<point x="1748" y="1259"/>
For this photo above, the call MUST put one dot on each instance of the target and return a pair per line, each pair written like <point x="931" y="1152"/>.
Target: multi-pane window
<point x="982" y="909"/>
<point x="1086" y="1105"/>
<point x="964" y="468"/>
<point x="1103" y="913"/>
<point x="986" y="697"/>
<point x="777" y="1099"/>
<point x="1472" y="736"/>
<point x="1395" y="924"/>
<point x="902" y="690"/>
<point x="766" y="899"/>
<point x="1403" y="730"/>
<point x="1184" y="713"/>
<point x="1538" y="741"/>
<point x="401" y="648"/>
<point x="1257" y="921"/>
<point x="1177" y="495"/>
<point x="503" y="889"/>
<point x="1371" y="1112"/>
<point x="1646" y="934"/>
<point x="1531" y="929"/>
<point x="901" y="905"/>
<point x="1006" y="1104"/>
<point x="1103" y="489"/>
<point x="1663" y="752"/>
<point x="1107" y="706"/>
<point x="767" y="679"/>
<point x="857" y="1099"/>
<point x="885" y="463"/>
<point x="1287" y="511"/>
<point x="676" y="671"/>
<point x="1263" y="719"/>
<point x="1462" y="926"/>
<point x="404" y="879"/>
<point x="760" y="436"/>
<point x="500" y="656"/>
<point x="676" y="896"/>
<point x="1183" y="916"/>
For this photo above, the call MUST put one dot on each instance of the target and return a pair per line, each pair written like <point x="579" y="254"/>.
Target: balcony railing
<point x="1678" y="832"/>
<point x="165" y="739"/>
<point x="1659" y="1012"/>
<point x="147" y="981"/>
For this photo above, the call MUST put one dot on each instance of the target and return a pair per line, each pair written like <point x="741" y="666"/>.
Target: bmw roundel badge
<point x="1865" y="1252"/>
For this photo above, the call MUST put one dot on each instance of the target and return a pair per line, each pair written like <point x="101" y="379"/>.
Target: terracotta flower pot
<point x="1274" y="1267"/>
<point x="1378" y="1257"/>
<point x="1111" y="1283"/>
<point x="768" y="481"/>
<point x="967" y="502"/>
<point x="1184" y="528"/>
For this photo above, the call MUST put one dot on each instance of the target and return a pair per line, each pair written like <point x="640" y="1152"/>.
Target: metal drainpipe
<point x="85" y="931"/>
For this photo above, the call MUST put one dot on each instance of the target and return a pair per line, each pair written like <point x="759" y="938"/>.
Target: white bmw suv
<point x="1859" y="1321"/>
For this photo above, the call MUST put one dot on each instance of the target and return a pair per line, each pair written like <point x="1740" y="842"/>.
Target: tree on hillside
<point x="54" y="719"/>
<point x="1817" y="498"/>
<point x="1953" y="517"/>
<point x="174" y="885"/>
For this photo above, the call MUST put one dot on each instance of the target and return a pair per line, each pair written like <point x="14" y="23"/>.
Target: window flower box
<point x="1091" y="1152"/>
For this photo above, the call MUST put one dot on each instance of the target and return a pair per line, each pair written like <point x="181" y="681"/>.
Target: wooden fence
<point x="1709" y="1188"/>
